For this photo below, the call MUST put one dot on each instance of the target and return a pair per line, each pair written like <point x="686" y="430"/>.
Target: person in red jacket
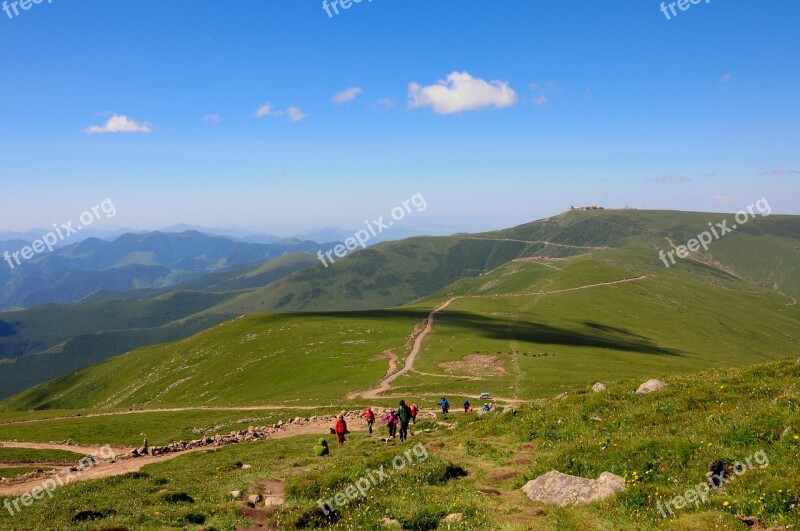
<point x="413" y="413"/>
<point x="369" y="416"/>
<point x="341" y="428"/>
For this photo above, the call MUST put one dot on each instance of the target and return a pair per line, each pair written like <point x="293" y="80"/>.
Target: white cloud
<point x="386" y="102"/>
<point x="119" y="123"/>
<point x="267" y="110"/>
<point x="540" y="100"/>
<point x="347" y="95"/>
<point x="295" y="114"/>
<point x="666" y="179"/>
<point x="212" y="118"/>
<point x="725" y="78"/>
<point x="461" y="92"/>
<point x="542" y="90"/>
<point x="781" y="173"/>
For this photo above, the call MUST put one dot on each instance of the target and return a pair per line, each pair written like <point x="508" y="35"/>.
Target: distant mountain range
<point x="205" y="287"/>
<point x="152" y="260"/>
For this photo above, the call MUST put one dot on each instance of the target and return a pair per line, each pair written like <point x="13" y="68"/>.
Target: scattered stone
<point x="454" y="517"/>
<point x="599" y="387"/>
<point x="563" y="489"/>
<point x="391" y="523"/>
<point x="247" y="467"/>
<point x="595" y="417"/>
<point x="649" y="386"/>
<point x="255" y="498"/>
<point x="562" y="396"/>
<point x="235" y="494"/>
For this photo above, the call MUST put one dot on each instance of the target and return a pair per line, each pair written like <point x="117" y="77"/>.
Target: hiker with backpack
<point x="391" y="422"/>
<point x="369" y="416"/>
<point x="445" y="407"/>
<point x="404" y="416"/>
<point x="341" y="429"/>
<point x="413" y="413"/>
<point x="466" y="405"/>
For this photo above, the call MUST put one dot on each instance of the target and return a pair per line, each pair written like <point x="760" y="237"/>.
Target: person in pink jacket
<point x="391" y="422"/>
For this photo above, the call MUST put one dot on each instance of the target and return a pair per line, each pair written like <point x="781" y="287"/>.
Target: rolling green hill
<point x="761" y="256"/>
<point x="52" y="340"/>
<point x="528" y="329"/>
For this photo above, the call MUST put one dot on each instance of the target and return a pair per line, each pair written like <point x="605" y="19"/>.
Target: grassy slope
<point x="129" y="430"/>
<point x="268" y="358"/>
<point x="678" y="320"/>
<point x="390" y="274"/>
<point x="660" y="442"/>
<point x="52" y="340"/>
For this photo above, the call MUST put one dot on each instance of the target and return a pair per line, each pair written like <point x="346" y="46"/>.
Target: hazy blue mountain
<point x="131" y="261"/>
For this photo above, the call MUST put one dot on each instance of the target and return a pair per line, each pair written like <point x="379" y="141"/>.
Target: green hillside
<point x="527" y="329"/>
<point x="760" y="256"/>
<point x="660" y="443"/>
<point x="52" y="340"/>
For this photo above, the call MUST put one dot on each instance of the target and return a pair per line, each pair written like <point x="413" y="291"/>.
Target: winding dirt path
<point x="124" y="466"/>
<point x="588" y="286"/>
<point x="384" y="384"/>
<point x="84" y="450"/>
<point x="543" y="242"/>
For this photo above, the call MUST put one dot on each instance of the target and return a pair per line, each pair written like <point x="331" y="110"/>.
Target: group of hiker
<point x="403" y="416"/>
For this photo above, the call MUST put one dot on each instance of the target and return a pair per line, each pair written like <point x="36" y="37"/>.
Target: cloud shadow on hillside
<point x="594" y="335"/>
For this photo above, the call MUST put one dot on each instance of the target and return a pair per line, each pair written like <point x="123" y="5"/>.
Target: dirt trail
<point x="588" y="286"/>
<point x="543" y="242"/>
<point x="384" y="386"/>
<point x="123" y="466"/>
<point x="85" y="450"/>
<point x="169" y="410"/>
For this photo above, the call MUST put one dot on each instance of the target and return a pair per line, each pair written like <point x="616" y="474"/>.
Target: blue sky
<point x="519" y="109"/>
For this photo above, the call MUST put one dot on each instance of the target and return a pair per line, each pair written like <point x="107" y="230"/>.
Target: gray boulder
<point x="563" y="489"/>
<point x="649" y="386"/>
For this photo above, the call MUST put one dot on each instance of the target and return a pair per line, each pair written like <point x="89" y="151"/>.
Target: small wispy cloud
<point x="387" y="103"/>
<point x="669" y="179"/>
<point x="293" y="113"/>
<point x="781" y="173"/>
<point x="212" y="118"/>
<point x="119" y="123"/>
<point x="544" y="92"/>
<point x="540" y="100"/>
<point x="461" y="92"/>
<point x="725" y="78"/>
<point x="267" y="110"/>
<point x="347" y="95"/>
